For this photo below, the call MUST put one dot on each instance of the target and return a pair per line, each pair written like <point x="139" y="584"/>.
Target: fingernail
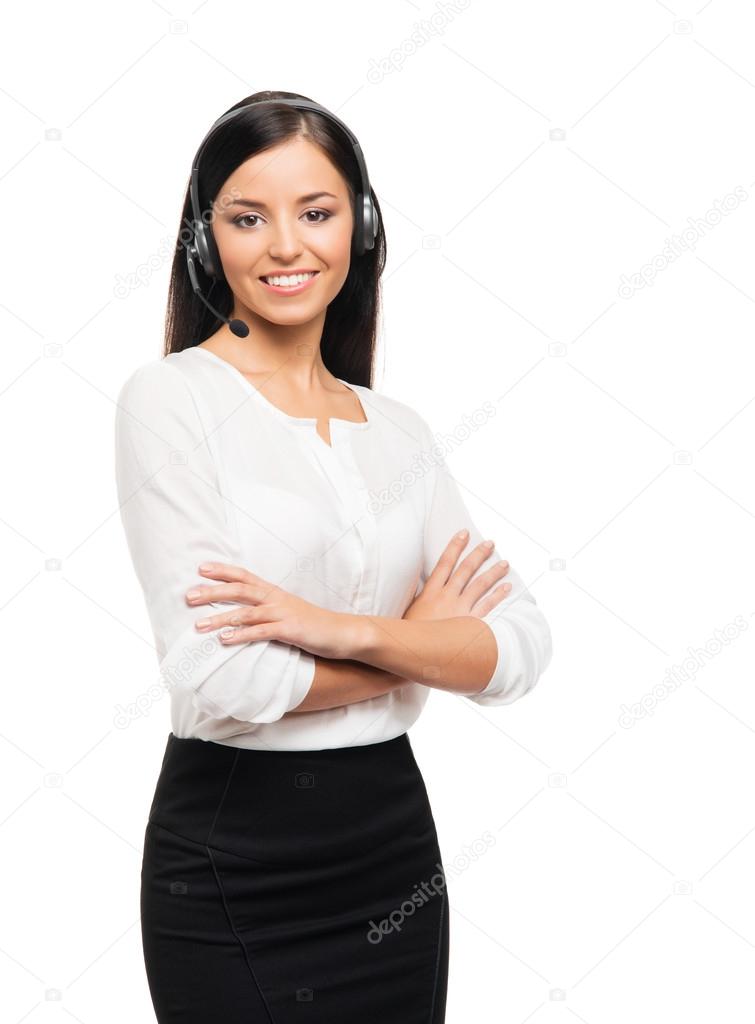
<point x="462" y="534"/>
<point x="205" y="567"/>
<point x="202" y="623"/>
<point x="191" y="594"/>
<point x="487" y="544"/>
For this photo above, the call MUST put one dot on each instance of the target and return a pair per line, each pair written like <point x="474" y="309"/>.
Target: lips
<point x="294" y="273"/>
<point x="290" y="289"/>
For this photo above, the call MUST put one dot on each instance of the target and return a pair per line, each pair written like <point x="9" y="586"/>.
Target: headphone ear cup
<point x="370" y="224"/>
<point x="364" y="225"/>
<point x="207" y="251"/>
<point x="358" y="236"/>
<point x="214" y="255"/>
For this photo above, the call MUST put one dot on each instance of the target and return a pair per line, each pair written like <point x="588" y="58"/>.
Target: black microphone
<point x="237" y="327"/>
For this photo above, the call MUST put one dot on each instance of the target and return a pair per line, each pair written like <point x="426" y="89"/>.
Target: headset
<point x="201" y="248"/>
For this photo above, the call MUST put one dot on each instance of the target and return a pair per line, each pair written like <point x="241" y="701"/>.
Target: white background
<point x="529" y="158"/>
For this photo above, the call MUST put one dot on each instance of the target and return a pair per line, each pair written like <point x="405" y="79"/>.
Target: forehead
<point x="286" y="171"/>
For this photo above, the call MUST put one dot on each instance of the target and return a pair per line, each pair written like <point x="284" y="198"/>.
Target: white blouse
<point x="208" y="469"/>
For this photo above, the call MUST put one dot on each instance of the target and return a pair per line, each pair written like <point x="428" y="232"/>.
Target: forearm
<point x="344" y="681"/>
<point x="458" y="654"/>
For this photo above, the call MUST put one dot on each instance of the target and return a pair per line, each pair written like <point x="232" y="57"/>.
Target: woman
<point x="291" y="853"/>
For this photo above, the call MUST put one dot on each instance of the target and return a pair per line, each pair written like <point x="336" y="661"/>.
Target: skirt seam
<point x="237" y="936"/>
<point x="439" y="945"/>
<point x="222" y="798"/>
<point x="207" y="846"/>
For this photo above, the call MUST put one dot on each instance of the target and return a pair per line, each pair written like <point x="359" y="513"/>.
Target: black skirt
<point x="283" y="886"/>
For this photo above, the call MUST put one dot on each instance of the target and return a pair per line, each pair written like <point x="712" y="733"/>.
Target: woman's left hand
<point x="273" y="614"/>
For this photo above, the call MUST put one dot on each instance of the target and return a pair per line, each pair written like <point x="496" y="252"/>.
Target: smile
<point x="289" y="285"/>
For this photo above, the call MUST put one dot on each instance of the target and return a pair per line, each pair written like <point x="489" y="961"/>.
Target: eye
<point x="243" y="220"/>
<point x="245" y="216"/>
<point x="324" y="213"/>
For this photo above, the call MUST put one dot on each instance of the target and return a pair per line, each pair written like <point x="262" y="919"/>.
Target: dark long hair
<point x="350" y="329"/>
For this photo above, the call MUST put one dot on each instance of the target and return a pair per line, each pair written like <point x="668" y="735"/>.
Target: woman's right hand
<point x="448" y="592"/>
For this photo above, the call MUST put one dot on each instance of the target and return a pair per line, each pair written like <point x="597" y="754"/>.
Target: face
<point x="268" y="220"/>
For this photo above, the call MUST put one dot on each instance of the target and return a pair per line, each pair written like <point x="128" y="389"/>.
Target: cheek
<point x="335" y="253"/>
<point x="236" y="249"/>
<point x="332" y="243"/>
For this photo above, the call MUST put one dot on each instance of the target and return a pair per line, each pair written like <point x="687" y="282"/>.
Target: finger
<point x="237" y="617"/>
<point x="242" y="625"/>
<point x="229" y="573"/>
<point x="448" y="559"/>
<point x="466" y="569"/>
<point x="225" y="593"/>
<point x="222" y="594"/>
<point x="245" y="634"/>
<point x="481" y="584"/>
<point x="491" y="601"/>
<point x="261" y="589"/>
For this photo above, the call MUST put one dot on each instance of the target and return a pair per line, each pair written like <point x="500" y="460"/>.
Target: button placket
<point x="338" y="462"/>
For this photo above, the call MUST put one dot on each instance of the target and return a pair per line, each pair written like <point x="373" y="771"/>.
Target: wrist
<point x="362" y="636"/>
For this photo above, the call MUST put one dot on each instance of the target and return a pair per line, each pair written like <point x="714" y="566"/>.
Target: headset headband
<point x="365" y="219"/>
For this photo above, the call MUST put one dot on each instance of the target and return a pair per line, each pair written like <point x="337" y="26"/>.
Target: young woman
<point x="267" y="491"/>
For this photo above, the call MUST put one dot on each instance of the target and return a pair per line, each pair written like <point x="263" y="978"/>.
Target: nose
<point x="285" y="243"/>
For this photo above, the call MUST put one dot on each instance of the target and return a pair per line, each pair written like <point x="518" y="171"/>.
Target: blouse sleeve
<point x="521" y="631"/>
<point x="174" y="518"/>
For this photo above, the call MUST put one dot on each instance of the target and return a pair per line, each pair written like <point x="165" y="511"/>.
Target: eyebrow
<point x="302" y="199"/>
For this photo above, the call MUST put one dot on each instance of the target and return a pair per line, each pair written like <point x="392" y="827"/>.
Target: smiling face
<point x="284" y="210"/>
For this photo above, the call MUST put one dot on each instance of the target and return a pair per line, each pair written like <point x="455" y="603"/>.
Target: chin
<point x="286" y="321"/>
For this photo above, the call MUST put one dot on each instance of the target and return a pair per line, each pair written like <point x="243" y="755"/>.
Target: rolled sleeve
<point x="521" y="631"/>
<point x="175" y="517"/>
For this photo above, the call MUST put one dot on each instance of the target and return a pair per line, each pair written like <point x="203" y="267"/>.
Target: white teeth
<point x="288" y="281"/>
